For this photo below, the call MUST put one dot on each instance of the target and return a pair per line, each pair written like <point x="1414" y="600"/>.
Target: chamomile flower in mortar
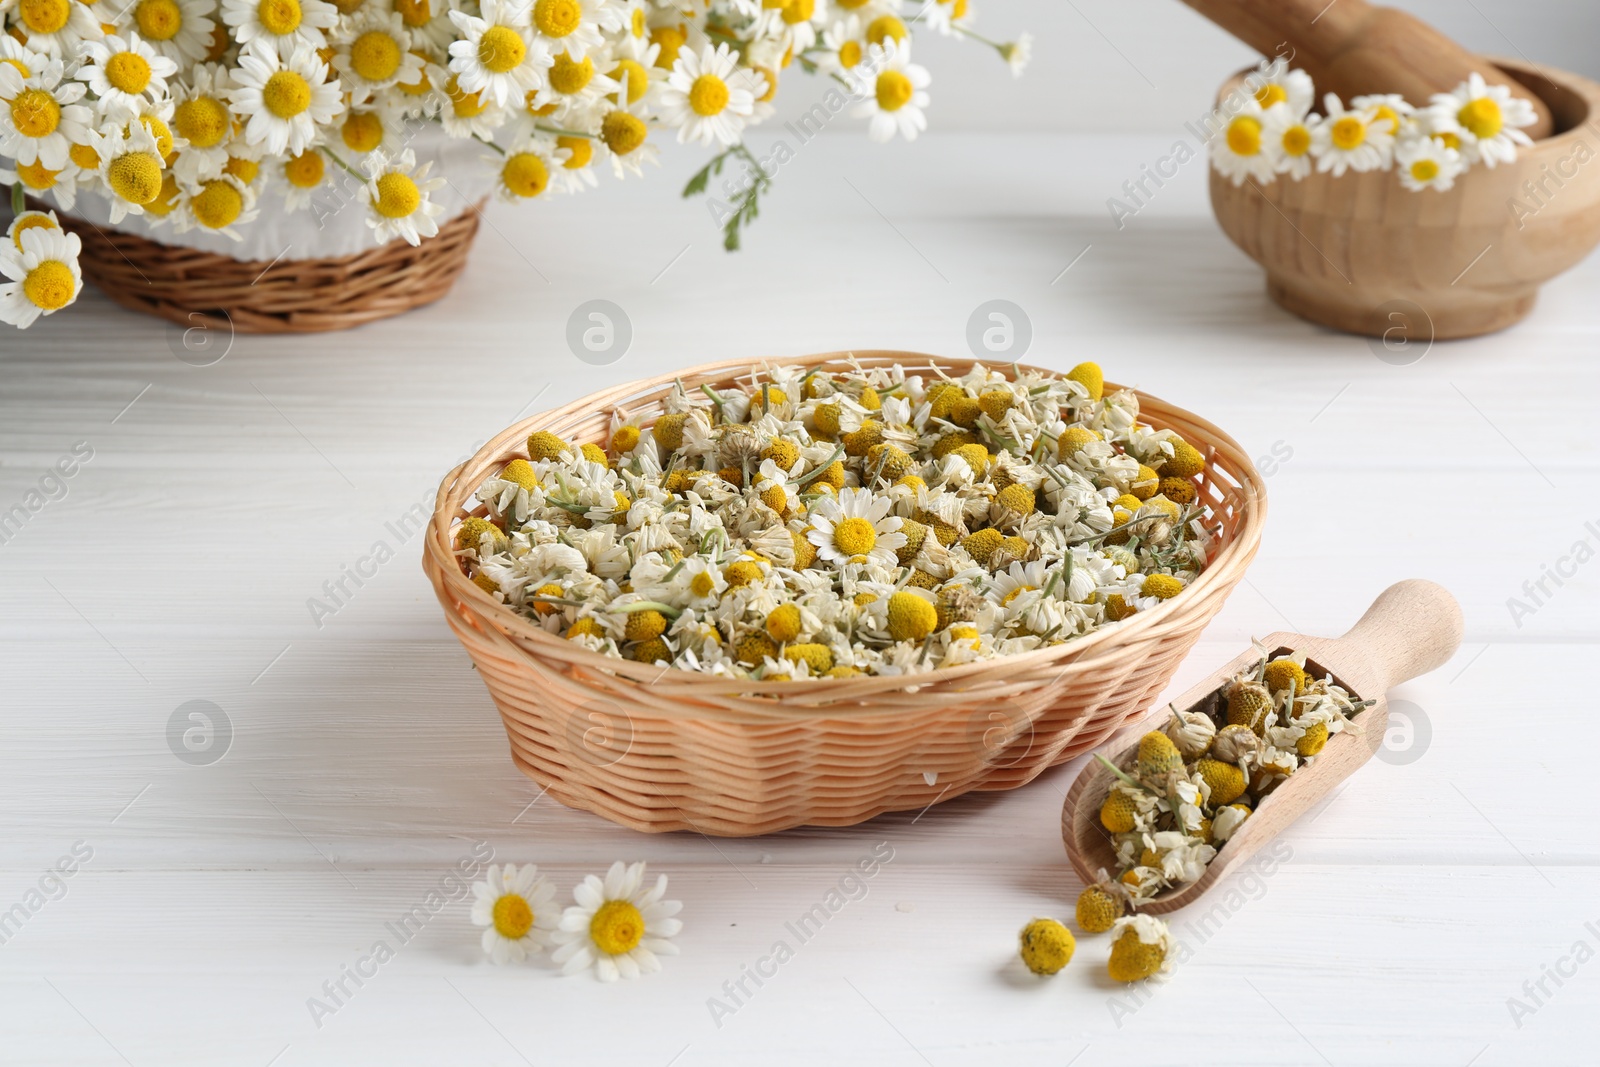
<point x="494" y="57"/>
<point x="283" y="26"/>
<point x="130" y="168"/>
<point x="708" y="96"/>
<point x="893" y="91"/>
<point x="1485" y="118"/>
<point x="43" y="120"/>
<point x="181" y="30"/>
<point x="1244" y="150"/>
<point x="124" y="72"/>
<point x="400" y="199"/>
<point x="855" y="527"/>
<point x="56" y="28"/>
<point x="617" y="926"/>
<point x="1352" y="139"/>
<point x="41" y="274"/>
<point x="518" y="907"/>
<point x="284" y="100"/>
<point x="1427" y="163"/>
<point x="373" y="53"/>
<point x="1392" y="106"/>
<point x="1277" y="84"/>
<point x="1288" y="138"/>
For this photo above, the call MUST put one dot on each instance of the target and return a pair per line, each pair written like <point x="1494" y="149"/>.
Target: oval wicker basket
<point x="197" y="288"/>
<point x="660" y="749"/>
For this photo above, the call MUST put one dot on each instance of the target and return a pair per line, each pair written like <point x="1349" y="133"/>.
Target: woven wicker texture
<point x="195" y="288"/>
<point x="660" y="749"/>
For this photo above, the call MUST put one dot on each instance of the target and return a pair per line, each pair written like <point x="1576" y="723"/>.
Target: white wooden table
<point x="365" y="757"/>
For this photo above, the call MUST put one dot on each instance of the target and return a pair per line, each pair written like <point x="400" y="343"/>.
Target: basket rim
<point x="439" y="560"/>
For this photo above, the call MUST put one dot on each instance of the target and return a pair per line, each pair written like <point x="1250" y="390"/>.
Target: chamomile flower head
<point x="215" y="204"/>
<point x="203" y="117"/>
<point x="1427" y="163"/>
<point x="1288" y="140"/>
<point x="574" y="171"/>
<point x="893" y="92"/>
<point x="1017" y="54"/>
<point x="399" y="195"/>
<point x="573" y="26"/>
<point x="374" y="52"/>
<point x="1277" y="84"/>
<point x="1486" y="119"/>
<point x="43" y="119"/>
<point x="470" y="114"/>
<point x="1352" y="139"/>
<point x="856" y="527"/>
<point x="56" y="28"/>
<point x="946" y="16"/>
<point x="181" y="30"/>
<point x="17" y="62"/>
<point x="525" y="167"/>
<point x="495" y="56"/>
<point x="301" y="177"/>
<point x="28" y="220"/>
<point x="282" y="26"/>
<point x="623" y="138"/>
<point x="517" y="906"/>
<point x="40" y="273"/>
<point x="1243" y="150"/>
<point x="572" y="88"/>
<point x="130" y="167"/>
<point x="124" y="73"/>
<point x="708" y="96"/>
<point x="1391" y="106"/>
<point x="1142" y="947"/>
<point x="844" y="45"/>
<point x="284" y="100"/>
<point x="617" y="926"/>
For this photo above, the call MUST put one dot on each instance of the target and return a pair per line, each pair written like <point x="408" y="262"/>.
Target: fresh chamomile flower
<point x="56" y="28"/>
<point x="892" y="92"/>
<point x="571" y="87"/>
<point x="1288" y="139"/>
<point x="844" y="46"/>
<point x="623" y="139"/>
<point x="945" y="16"/>
<point x="216" y="204"/>
<point x="617" y="926"/>
<point x="1277" y="84"/>
<point x="708" y="97"/>
<point x="41" y="272"/>
<point x="790" y="27"/>
<point x="1392" y="106"/>
<point x="181" y="30"/>
<point x="856" y="527"/>
<point x="400" y="199"/>
<point x="575" y="156"/>
<point x="1426" y="163"/>
<point x="44" y="119"/>
<point x="470" y="114"/>
<point x="301" y="177"/>
<point x="428" y="22"/>
<point x="17" y="62"/>
<point x="282" y="26"/>
<point x="1485" y="118"/>
<point x="367" y="129"/>
<point x="1355" y="140"/>
<point x="574" y="26"/>
<point x="494" y="56"/>
<point x="124" y="72"/>
<point x="201" y="115"/>
<point x="1017" y="54"/>
<point x="525" y="167"/>
<point x="29" y="220"/>
<point x="1244" y="150"/>
<point x="374" y="53"/>
<point x="284" y="100"/>
<point x="518" y="907"/>
<point x="634" y="60"/>
<point x="130" y="168"/>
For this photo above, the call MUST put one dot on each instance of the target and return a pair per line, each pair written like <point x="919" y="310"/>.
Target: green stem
<point x="19" y="202"/>
<point x="647" y="605"/>
<point x="821" y="469"/>
<point x="559" y="132"/>
<point x="331" y="154"/>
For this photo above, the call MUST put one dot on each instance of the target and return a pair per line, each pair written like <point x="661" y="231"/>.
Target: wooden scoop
<point x="1412" y="628"/>
<point x="1352" y="48"/>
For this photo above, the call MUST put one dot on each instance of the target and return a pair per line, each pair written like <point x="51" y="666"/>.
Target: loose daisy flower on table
<point x="618" y="927"/>
<point x="400" y="197"/>
<point x="40" y="265"/>
<point x="518" y="907"/>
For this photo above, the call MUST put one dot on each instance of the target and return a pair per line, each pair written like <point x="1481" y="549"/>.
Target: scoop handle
<point x="1412" y="628"/>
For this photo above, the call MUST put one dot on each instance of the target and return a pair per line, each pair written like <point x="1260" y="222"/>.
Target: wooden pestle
<point x="1352" y="47"/>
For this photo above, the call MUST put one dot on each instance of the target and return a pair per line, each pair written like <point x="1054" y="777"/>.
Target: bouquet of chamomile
<point x="202" y="113"/>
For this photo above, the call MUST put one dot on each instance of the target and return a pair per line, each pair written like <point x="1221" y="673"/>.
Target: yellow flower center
<point x="375" y="56"/>
<point x="217" y="204"/>
<point x="849" y="54"/>
<point x="1449" y="140"/>
<point x="50" y="285"/>
<point x="243" y="169"/>
<point x="798" y="11"/>
<point x="568" y="76"/>
<point x="45" y="16"/>
<point x="622" y="132"/>
<point x="525" y="174"/>
<point x="894" y="90"/>
<point x="1244" y="136"/>
<point x="128" y="71"/>
<point x="18" y="65"/>
<point x="1383" y="112"/>
<point x="708" y="95"/>
<point x="512" y="917"/>
<point x="1018" y="591"/>
<point x="670" y="39"/>
<point x="617" y="927"/>
<point x="159" y="20"/>
<point x="637" y="26"/>
<point x="203" y="121"/>
<point x="702" y="584"/>
<point x="30" y="222"/>
<point x="165" y="200"/>
<point x="220" y="42"/>
<point x="501" y="48"/>
<point x="885" y="27"/>
<point x="1297" y="140"/>
<point x="1481" y="117"/>
<point x="1268" y="95"/>
<point x="1348" y="132"/>
<point x="1424" y="170"/>
<point x="35" y="113"/>
<point x="422" y="84"/>
<point x="557" y="18"/>
<point x="161" y="132"/>
<point x="305" y="170"/>
<point x="84" y="156"/>
<point x="581" y="149"/>
<point x="638" y="78"/>
<point x="362" y="131"/>
<point x="855" y="537"/>
<point x="135" y="176"/>
<point x="279" y="17"/>
<point x="35" y="176"/>
<point x="466" y="105"/>
<point x="398" y="196"/>
<point x="414" y="13"/>
<point x="286" y="94"/>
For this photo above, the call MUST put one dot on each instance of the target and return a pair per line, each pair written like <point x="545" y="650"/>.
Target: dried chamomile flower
<point x="1046" y="946"/>
<point x="1158" y="757"/>
<point x="1100" y="905"/>
<point x="1191" y="732"/>
<point x="1143" y="947"/>
<point x="1249" y="704"/>
<point x="1235" y="744"/>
